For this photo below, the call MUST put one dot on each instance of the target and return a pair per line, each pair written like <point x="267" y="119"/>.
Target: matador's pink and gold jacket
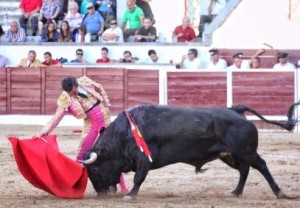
<point x="77" y="105"/>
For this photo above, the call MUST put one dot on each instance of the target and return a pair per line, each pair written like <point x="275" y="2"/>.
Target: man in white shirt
<point x="191" y="61"/>
<point x="239" y="62"/>
<point x="216" y="62"/>
<point x="283" y="62"/>
<point x="154" y="59"/>
<point x="209" y="9"/>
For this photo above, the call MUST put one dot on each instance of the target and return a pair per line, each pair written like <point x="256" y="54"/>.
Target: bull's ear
<point x="103" y="152"/>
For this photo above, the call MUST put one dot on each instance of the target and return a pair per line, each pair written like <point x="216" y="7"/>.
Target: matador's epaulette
<point x="84" y="80"/>
<point x="64" y="100"/>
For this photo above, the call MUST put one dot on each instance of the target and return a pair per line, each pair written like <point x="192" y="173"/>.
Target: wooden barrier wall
<point x="35" y="91"/>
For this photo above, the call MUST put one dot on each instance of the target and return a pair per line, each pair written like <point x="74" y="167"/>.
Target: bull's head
<point x="104" y="171"/>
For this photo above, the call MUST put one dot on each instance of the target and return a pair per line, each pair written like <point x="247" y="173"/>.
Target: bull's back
<point x="186" y="134"/>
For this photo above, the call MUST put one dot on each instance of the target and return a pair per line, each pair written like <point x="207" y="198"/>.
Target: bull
<point x="194" y="136"/>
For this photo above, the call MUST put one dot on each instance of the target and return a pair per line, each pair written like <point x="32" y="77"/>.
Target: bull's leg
<point x="259" y="164"/>
<point x="243" y="169"/>
<point x="143" y="167"/>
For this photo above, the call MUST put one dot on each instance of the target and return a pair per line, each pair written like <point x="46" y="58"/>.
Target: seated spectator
<point x="147" y="33"/>
<point x="134" y="16"/>
<point x="209" y="9"/>
<point x="215" y="61"/>
<point x="3" y="61"/>
<point x="30" y="13"/>
<point x="15" y="33"/>
<point x="49" y="13"/>
<point x="50" y="33"/>
<point x="82" y="36"/>
<point x="2" y="35"/>
<point x="30" y="61"/>
<point x="79" y="57"/>
<point x="48" y="61"/>
<point x="145" y="6"/>
<point x="104" y="56"/>
<point x="114" y="34"/>
<point x="283" y="62"/>
<point x="154" y="59"/>
<point x="184" y="32"/>
<point x="191" y="61"/>
<point x="64" y="32"/>
<point x="73" y="18"/>
<point x="238" y="62"/>
<point x="127" y="58"/>
<point x="107" y="9"/>
<point x="94" y="22"/>
<point x="254" y="63"/>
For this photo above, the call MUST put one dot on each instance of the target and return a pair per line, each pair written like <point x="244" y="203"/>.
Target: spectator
<point x="127" y="58"/>
<point x="30" y="61"/>
<point x="30" y="13"/>
<point x="147" y="33"/>
<point x="49" y="13"/>
<point x="104" y="56"/>
<point x="94" y="23"/>
<point x="191" y="61"/>
<point x="114" y="34"/>
<point x="73" y="18"/>
<point x="2" y="35"/>
<point x="154" y="59"/>
<point x="145" y="6"/>
<point x="216" y="62"/>
<point x="283" y="62"/>
<point x="15" y="33"/>
<point x="65" y="32"/>
<point x="82" y="36"/>
<point x="48" y="61"/>
<point x="107" y="9"/>
<point x="209" y="9"/>
<point x="184" y="32"/>
<point x="237" y="61"/>
<point x="134" y="16"/>
<point x="79" y="57"/>
<point x="50" y="33"/>
<point x="255" y="63"/>
<point x="3" y="61"/>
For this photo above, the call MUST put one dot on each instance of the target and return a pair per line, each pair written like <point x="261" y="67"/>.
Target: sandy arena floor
<point x="172" y="186"/>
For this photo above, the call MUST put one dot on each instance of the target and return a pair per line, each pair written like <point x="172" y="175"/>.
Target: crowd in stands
<point x="89" y="21"/>
<point x="191" y="60"/>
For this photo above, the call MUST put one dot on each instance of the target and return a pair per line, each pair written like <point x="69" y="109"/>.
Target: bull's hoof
<point x="236" y="193"/>
<point x="280" y="195"/>
<point x="127" y="198"/>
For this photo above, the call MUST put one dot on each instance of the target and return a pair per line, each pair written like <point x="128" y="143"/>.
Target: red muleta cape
<point x="46" y="168"/>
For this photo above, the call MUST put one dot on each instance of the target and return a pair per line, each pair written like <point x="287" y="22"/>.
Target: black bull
<point x="193" y="136"/>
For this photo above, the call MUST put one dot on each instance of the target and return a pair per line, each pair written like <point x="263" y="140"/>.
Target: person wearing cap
<point x="93" y="21"/>
<point x="237" y="61"/>
<point x="283" y="62"/>
<point x="215" y="61"/>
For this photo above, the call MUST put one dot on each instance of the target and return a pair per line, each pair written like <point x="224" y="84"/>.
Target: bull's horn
<point x="93" y="158"/>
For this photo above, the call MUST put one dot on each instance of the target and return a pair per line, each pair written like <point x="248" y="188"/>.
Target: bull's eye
<point x="95" y="170"/>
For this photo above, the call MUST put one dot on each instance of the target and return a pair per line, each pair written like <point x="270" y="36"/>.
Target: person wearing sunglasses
<point x="113" y="34"/>
<point x="79" y="57"/>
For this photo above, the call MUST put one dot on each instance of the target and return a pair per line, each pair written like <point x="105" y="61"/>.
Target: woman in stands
<point x="65" y="32"/>
<point x="50" y="33"/>
<point x="73" y="18"/>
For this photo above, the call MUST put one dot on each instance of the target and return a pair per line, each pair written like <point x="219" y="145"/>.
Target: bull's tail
<point x="288" y="125"/>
